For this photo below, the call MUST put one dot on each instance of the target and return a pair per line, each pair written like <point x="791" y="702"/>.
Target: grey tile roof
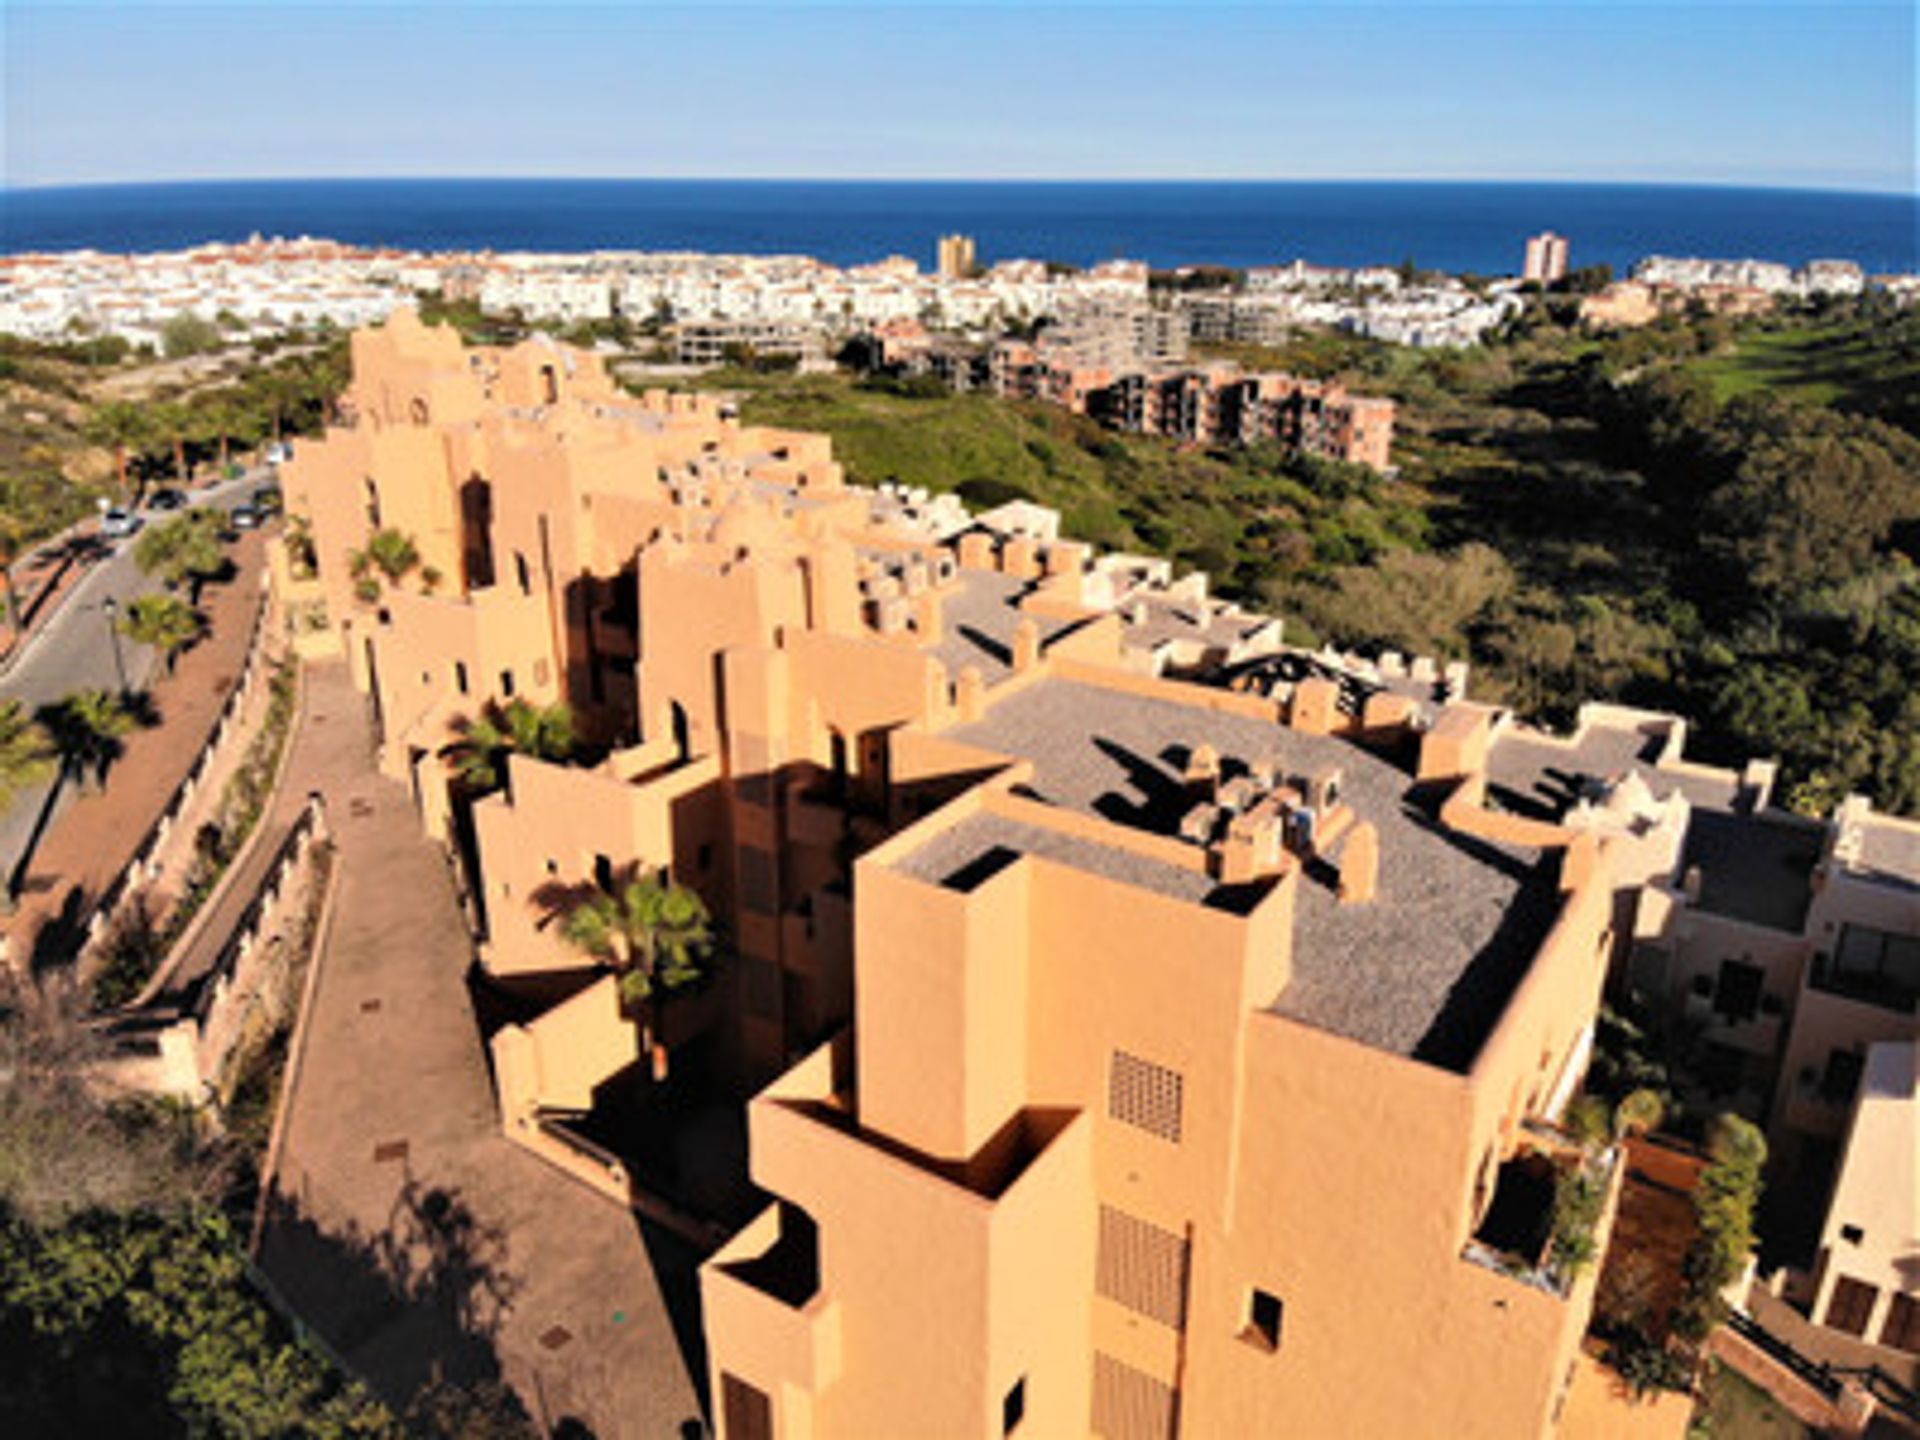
<point x="1534" y="775"/>
<point x="966" y="853"/>
<point x="1753" y="868"/>
<point x="1423" y="970"/>
<point x="977" y="618"/>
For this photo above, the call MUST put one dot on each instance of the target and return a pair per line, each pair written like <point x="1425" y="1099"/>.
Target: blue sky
<point x="1812" y="94"/>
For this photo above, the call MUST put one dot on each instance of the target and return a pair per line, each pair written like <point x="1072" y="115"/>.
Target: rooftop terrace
<point x="978" y="616"/>
<point x="1544" y="777"/>
<point x="1424" y="970"/>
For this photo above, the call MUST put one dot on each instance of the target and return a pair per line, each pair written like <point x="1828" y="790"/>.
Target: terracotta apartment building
<point x="1152" y="1030"/>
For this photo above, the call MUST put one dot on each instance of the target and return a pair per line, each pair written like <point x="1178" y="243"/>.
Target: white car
<point x="117" y="522"/>
<point x="279" y="453"/>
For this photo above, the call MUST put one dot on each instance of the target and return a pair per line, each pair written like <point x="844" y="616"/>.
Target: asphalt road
<point x="76" y="650"/>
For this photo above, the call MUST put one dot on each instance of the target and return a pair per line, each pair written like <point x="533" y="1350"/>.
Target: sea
<point x="1454" y="226"/>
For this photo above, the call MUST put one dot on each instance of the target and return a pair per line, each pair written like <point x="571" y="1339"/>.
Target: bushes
<point x="143" y="1322"/>
<point x="1723" y="1203"/>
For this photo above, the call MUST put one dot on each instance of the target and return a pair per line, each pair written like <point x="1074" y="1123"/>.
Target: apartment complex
<point x="1546" y="258"/>
<point x="1153" y="1029"/>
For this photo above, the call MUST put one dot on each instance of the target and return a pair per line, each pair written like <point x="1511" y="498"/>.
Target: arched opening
<point x="476" y="533"/>
<point x="549" y="385"/>
<point x="682" y="735"/>
<point x="837" y="752"/>
<point x="417" y="410"/>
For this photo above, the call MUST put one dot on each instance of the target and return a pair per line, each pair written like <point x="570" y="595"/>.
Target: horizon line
<point x="1911" y="191"/>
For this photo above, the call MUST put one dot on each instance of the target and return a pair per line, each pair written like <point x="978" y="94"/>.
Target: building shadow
<point x="413" y="1308"/>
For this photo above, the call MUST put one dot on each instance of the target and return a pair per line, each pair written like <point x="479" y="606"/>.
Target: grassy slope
<point x="1239" y="515"/>
<point x="1841" y="365"/>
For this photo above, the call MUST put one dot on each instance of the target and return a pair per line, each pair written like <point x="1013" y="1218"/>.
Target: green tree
<point x="187" y="334"/>
<point x="1723" y="1206"/>
<point x="541" y="732"/>
<point x="27" y="753"/>
<point x="165" y="622"/>
<point x="88" y="728"/>
<point x="186" y="549"/>
<point x="174" y="421"/>
<point x="122" y="427"/>
<point x="388" y="553"/>
<point x="656" y="935"/>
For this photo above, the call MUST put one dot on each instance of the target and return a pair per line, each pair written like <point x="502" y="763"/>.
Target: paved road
<point x="75" y="650"/>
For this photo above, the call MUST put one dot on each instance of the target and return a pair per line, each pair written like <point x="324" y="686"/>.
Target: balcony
<point x="1544" y="1225"/>
<point x="762" y="1294"/>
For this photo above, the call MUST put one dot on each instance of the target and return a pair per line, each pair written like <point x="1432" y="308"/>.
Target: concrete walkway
<point x="402" y="1226"/>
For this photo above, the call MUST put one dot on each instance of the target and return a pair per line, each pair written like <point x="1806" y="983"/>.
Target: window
<point x="460" y="676"/>
<point x="1737" y="996"/>
<point x="373" y="503"/>
<point x="1852" y="1234"/>
<point x="1144" y="1095"/>
<point x="506" y="683"/>
<point x="603" y="872"/>
<point x="1013" y="1409"/>
<point x="522" y="574"/>
<point x="1876" y="966"/>
<point x="1902" y="1330"/>
<point x="1842" y="1078"/>
<point x="1850" y="1306"/>
<point x="1264" y="1316"/>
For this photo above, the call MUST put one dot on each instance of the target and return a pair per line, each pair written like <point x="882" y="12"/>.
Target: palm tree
<point x="123" y="427"/>
<point x="26" y="751"/>
<point x="165" y="622"/>
<point x="656" y="936"/>
<point x="389" y="552"/>
<point x="543" y="732"/>
<point x="87" y="728"/>
<point x="186" y="548"/>
<point x="173" y="420"/>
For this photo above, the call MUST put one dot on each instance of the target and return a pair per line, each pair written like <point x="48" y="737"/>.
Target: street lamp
<point x="112" y="608"/>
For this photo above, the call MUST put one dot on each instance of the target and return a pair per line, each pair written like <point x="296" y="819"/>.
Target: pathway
<point x="402" y="1225"/>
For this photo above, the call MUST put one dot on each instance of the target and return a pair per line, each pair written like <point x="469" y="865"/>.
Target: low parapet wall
<point x="193" y="1050"/>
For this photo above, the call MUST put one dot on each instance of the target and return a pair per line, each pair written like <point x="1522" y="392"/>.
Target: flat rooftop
<point x="1753" y="868"/>
<point x="978" y="615"/>
<point x="1890" y="852"/>
<point x="965" y="855"/>
<point x="1543" y="777"/>
<point x="1424" y="970"/>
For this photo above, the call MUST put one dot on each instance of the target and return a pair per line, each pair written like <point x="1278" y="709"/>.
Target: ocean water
<point x="1457" y="226"/>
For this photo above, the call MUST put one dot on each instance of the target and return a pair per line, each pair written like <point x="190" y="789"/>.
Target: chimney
<point x="1026" y="644"/>
<point x="1360" y="865"/>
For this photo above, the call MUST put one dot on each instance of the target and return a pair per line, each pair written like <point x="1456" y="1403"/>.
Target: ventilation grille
<point x="1142" y="1267"/>
<point x="1129" y="1404"/>
<point x="1145" y="1095"/>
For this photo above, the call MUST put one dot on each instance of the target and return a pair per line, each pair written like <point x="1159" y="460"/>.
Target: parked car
<point x="279" y="453"/>
<point x="118" y="522"/>
<point x="245" y="517"/>
<point x="166" y="498"/>
<point x="266" y="499"/>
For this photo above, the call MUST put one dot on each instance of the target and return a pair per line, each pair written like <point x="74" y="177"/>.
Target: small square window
<point x="1265" y="1314"/>
<point x="1013" y="1409"/>
<point x="1852" y="1234"/>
